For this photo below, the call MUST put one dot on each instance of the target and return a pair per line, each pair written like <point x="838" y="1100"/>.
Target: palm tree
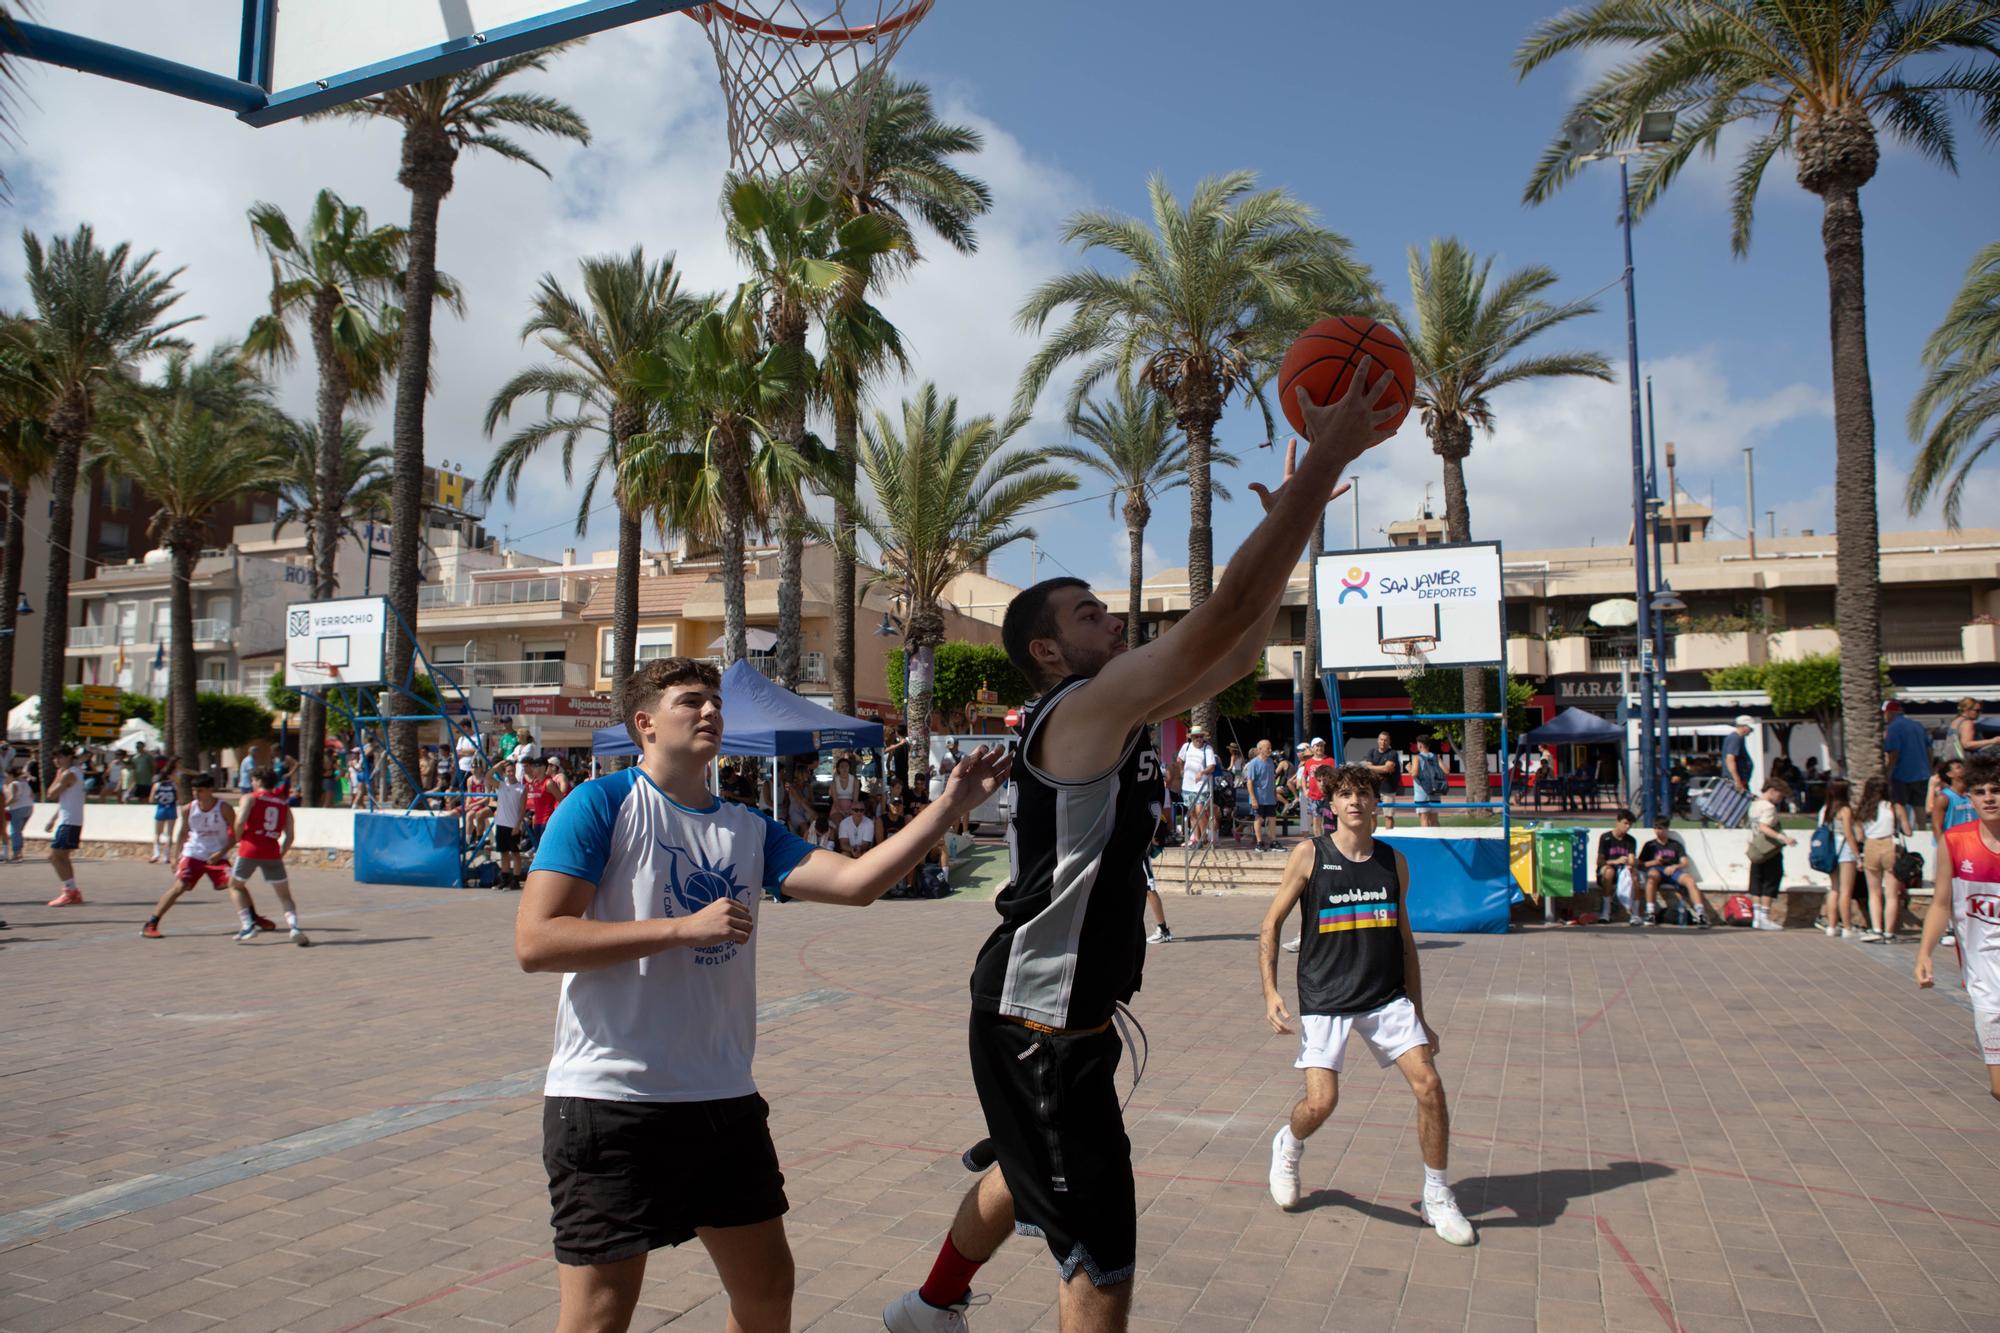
<point x="97" y="315"/>
<point x="440" y="118"/>
<point x="1465" y="334"/>
<point x="946" y="498"/>
<point x="190" y="461"/>
<point x="804" y="260"/>
<point x="360" y="488"/>
<point x="1210" y="290"/>
<point x="338" y="276"/>
<point x="1819" y="79"/>
<point x="1137" y="447"/>
<point x="906" y="177"/>
<point x="713" y="386"/>
<point x="1956" y="414"/>
<point x="628" y="306"/>
<point x="24" y="459"/>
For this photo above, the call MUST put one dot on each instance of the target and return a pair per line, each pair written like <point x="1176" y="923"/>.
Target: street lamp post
<point x="1583" y="133"/>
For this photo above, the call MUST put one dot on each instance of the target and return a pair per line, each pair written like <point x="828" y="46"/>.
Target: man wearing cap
<point x="1906" y="753"/>
<point x="1737" y="765"/>
<point x="1197" y="761"/>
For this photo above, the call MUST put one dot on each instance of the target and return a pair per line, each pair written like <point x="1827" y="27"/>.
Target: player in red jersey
<point x="1966" y="901"/>
<point x="265" y="826"/>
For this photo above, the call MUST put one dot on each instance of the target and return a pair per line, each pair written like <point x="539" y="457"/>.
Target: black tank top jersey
<point x="1351" y="950"/>
<point x="1071" y="938"/>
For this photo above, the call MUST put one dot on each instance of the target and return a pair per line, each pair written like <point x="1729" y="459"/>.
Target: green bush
<point x="959" y="671"/>
<point x="229" y="721"/>
<point x="1442" y="690"/>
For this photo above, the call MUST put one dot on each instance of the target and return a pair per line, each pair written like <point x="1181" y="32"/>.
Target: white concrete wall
<point x="330" y="830"/>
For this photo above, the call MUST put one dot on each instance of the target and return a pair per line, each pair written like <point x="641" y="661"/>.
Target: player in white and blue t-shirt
<point x="644" y="892"/>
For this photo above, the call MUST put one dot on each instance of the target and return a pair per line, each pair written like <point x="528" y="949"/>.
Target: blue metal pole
<point x="89" y="56"/>
<point x="1641" y="581"/>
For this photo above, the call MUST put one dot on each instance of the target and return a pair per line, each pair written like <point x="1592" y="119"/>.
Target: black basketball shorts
<point x="629" y="1177"/>
<point x="506" y="841"/>
<point x="1052" y="1111"/>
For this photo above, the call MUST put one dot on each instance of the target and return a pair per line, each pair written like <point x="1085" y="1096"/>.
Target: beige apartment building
<point x="1748" y="602"/>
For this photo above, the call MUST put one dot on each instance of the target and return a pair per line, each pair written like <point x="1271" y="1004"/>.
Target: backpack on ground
<point x="1737" y="910"/>
<point x="1824" y="855"/>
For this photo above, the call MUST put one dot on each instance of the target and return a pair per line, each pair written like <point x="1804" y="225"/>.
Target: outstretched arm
<point x="825" y="877"/>
<point x="1220" y="638"/>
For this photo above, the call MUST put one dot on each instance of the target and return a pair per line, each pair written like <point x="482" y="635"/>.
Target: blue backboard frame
<point x="250" y="96"/>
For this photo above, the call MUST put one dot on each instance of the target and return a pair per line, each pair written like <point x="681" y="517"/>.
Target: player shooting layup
<point x="1071" y="935"/>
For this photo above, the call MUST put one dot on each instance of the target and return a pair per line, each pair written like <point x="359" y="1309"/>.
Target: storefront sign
<point x="595" y="708"/>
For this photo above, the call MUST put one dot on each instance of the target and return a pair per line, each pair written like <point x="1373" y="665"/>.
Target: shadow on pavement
<point x="1534" y="1198"/>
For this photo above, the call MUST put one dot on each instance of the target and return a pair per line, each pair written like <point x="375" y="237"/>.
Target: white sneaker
<point x="1832" y="931"/>
<point x="1948" y="938"/>
<point x="1284" y="1173"/>
<point x="1765" y="924"/>
<point x="1291" y="945"/>
<point x="1849" y="933"/>
<point x="1445" y="1219"/>
<point x="910" y="1313"/>
<point x="1160" y="935"/>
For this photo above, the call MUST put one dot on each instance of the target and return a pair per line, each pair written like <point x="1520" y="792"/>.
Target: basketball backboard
<point x="1452" y="594"/>
<point x="299" y="56"/>
<point x="336" y="643"/>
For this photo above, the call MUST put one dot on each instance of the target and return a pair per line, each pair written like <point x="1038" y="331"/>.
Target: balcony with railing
<point x="535" y="675"/>
<point x="812" y="666"/>
<point x="495" y="593"/>
<point x="217" y="685"/>
<point x="210" y="631"/>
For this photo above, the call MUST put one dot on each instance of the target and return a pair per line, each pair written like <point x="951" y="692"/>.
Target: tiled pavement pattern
<point x="1662" y="1130"/>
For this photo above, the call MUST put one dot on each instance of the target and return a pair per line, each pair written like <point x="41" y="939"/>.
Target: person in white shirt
<point x="1196" y="761"/>
<point x="510" y="803"/>
<point x="207" y="833"/>
<point x="65" y="826"/>
<point x="859" y="831"/>
<point x="644" y="894"/>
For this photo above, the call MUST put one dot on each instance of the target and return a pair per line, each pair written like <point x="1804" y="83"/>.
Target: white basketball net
<point x="1410" y="657"/>
<point x="770" y="51"/>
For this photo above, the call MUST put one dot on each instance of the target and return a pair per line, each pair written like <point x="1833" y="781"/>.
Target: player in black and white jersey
<point x="1071" y="937"/>
<point x="1358" y="974"/>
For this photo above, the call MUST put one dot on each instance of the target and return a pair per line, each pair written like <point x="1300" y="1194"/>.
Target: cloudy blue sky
<point x="1396" y="122"/>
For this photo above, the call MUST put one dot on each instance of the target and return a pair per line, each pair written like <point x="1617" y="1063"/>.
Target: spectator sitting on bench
<point x="1617" y="851"/>
<point x="1665" y="861"/>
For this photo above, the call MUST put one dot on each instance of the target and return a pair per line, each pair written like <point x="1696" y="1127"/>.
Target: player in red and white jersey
<point x="1967" y="901"/>
<point x="266" y="824"/>
<point x="207" y="826"/>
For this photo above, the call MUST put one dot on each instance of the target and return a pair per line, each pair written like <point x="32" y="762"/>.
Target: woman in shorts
<point x="1838" y="814"/>
<point x="20" y="805"/>
<point x="166" y="810"/>
<point x="1881" y="821"/>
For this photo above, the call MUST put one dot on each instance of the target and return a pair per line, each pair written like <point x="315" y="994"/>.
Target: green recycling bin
<point x="1562" y="860"/>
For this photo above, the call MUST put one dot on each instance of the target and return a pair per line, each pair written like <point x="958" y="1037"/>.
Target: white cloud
<point x="1557" y="471"/>
<point x="172" y="176"/>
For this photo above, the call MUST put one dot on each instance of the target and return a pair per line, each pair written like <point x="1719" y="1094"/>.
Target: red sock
<point x="950" y="1281"/>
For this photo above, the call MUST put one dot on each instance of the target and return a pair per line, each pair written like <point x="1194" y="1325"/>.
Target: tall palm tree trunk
<point x="185" y="546"/>
<point x="1203" y="408"/>
<point x="925" y="632"/>
<point x="68" y="425"/>
<point x="12" y="553"/>
<point x="625" y="595"/>
<point x="729" y="449"/>
<point x="1857" y="612"/>
<point x="1137" y="514"/>
<point x="327" y="498"/>
<point x="1453" y="445"/>
<point x="846" y="429"/>
<point x="428" y="155"/>
<point x="791" y="585"/>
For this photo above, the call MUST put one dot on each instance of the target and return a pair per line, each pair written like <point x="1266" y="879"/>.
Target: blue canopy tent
<point x="761" y="718"/>
<point x="1573" y="726"/>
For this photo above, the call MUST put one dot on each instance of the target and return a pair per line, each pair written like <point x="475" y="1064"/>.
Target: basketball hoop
<point x="314" y="675"/>
<point x="771" y="52"/>
<point x="1411" y="653"/>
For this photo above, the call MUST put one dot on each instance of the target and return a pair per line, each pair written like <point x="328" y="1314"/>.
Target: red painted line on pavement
<point x="877" y="996"/>
<point x="1639" y="1275"/>
<point x="1598" y="1017"/>
<point x="443" y="1292"/>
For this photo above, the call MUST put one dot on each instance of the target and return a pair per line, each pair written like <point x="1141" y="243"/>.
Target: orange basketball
<point x="1323" y="361"/>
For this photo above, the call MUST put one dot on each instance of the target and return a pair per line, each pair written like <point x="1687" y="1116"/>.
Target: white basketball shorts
<point x="1391" y="1031"/>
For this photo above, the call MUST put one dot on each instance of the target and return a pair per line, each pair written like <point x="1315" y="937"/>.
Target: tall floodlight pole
<point x="1584" y="134"/>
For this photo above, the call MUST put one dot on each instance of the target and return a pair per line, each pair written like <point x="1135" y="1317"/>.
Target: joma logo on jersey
<point x="1984" y="906"/>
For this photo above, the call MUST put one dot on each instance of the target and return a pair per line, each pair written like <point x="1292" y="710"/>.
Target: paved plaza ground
<point x="1653" y="1130"/>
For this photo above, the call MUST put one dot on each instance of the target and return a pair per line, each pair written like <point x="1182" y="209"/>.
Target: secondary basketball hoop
<point x="771" y="52"/>
<point x="1410" y="655"/>
<point x="312" y="675"/>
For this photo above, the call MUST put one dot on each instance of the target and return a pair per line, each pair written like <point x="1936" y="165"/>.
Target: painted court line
<point x="162" y="1187"/>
